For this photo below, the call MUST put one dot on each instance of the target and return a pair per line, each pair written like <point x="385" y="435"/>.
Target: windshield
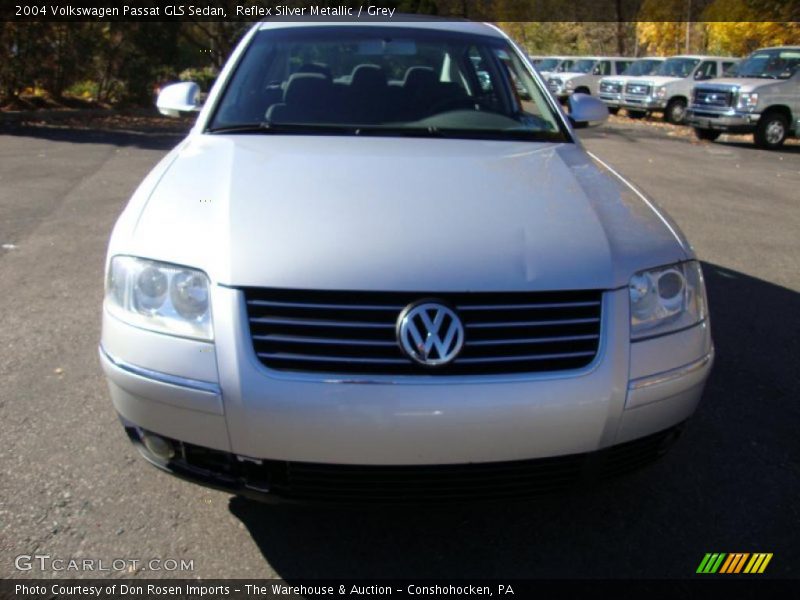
<point x="770" y="64"/>
<point x="677" y="67"/>
<point x="548" y="64"/>
<point x="585" y="65"/>
<point x="645" y="66"/>
<point x="357" y="80"/>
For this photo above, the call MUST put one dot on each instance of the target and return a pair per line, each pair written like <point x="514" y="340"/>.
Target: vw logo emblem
<point x="430" y="333"/>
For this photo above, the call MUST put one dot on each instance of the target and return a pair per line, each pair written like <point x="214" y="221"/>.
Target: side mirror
<point x="177" y="98"/>
<point x="586" y="111"/>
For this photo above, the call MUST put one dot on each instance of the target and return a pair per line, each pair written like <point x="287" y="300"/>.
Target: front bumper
<point x="731" y="121"/>
<point x="611" y="100"/>
<point x="643" y="103"/>
<point x="220" y="398"/>
<point x="274" y="480"/>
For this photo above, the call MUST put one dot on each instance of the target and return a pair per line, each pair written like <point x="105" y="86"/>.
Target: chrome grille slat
<point x="530" y="323"/>
<point x="326" y="358"/>
<point x="299" y="339"/>
<point x="354" y="333"/>
<point x="525" y="306"/>
<point x="319" y="305"/>
<point x="514" y="358"/>
<point x="319" y="323"/>
<point x="541" y="340"/>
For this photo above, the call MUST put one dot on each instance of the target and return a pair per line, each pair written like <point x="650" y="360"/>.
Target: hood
<point x="655" y="80"/>
<point x="744" y="84"/>
<point x="330" y="212"/>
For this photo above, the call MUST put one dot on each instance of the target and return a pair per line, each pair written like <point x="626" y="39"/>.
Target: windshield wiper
<point x="267" y="127"/>
<point x="389" y="131"/>
<point x="399" y="131"/>
<point x="271" y="127"/>
<point x="244" y="128"/>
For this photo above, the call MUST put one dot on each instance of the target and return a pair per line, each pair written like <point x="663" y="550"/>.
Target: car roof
<point x="778" y="48"/>
<point x="603" y="57"/>
<point x="406" y="21"/>
<point x="705" y="57"/>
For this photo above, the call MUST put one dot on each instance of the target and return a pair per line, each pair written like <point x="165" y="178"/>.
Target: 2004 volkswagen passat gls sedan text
<point x="381" y="267"/>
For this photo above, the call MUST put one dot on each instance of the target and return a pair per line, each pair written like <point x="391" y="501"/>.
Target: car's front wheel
<point x="771" y="131"/>
<point x="706" y="134"/>
<point x="675" y="112"/>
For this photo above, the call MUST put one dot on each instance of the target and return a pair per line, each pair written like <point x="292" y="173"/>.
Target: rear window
<point x="362" y="79"/>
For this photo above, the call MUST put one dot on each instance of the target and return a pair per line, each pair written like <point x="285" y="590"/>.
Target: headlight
<point x="570" y="85"/>
<point x="747" y="101"/>
<point x="666" y="299"/>
<point x="160" y="297"/>
<point x="660" y="92"/>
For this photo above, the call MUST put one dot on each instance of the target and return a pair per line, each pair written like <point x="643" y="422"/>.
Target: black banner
<point x="549" y="589"/>
<point x="398" y="10"/>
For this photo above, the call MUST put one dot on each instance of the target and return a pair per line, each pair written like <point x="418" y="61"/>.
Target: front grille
<point x="321" y="482"/>
<point x="610" y="87"/>
<point x="713" y="97"/>
<point x="637" y="89"/>
<point x="554" y="84"/>
<point x="355" y="332"/>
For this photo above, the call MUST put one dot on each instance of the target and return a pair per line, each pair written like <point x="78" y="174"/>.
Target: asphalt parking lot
<point x="73" y="486"/>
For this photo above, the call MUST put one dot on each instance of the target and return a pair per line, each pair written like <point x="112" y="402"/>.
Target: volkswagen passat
<point x="381" y="267"/>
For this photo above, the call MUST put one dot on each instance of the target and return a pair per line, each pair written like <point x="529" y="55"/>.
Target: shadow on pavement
<point x="730" y="484"/>
<point x="785" y="149"/>
<point x="148" y="140"/>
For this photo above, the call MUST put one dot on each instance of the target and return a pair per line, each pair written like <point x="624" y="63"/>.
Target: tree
<point x="734" y="26"/>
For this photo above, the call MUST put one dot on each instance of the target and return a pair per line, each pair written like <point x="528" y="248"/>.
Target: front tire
<point x="675" y="112"/>
<point x="771" y="131"/>
<point x="706" y="134"/>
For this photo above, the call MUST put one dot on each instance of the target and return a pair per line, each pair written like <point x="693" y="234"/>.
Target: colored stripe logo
<point x="736" y="562"/>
